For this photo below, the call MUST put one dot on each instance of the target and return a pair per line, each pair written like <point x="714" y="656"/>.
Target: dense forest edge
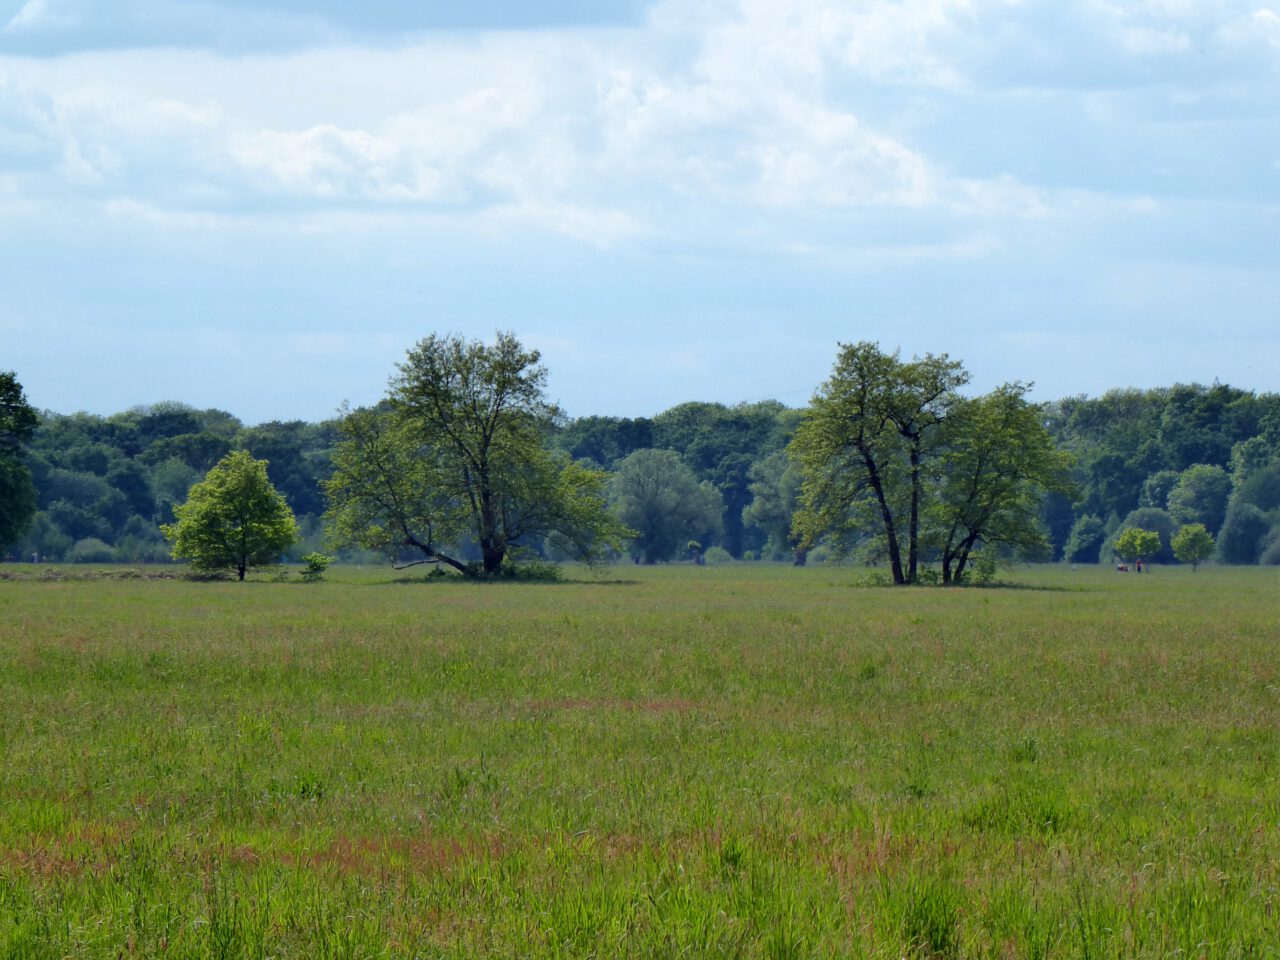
<point x="1156" y="459"/>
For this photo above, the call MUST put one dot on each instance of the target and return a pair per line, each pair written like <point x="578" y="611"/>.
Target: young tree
<point x="459" y="452"/>
<point x="1135" y="543"/>
<point x="17" y="492"/>
<point x="862" y="450"/>
<point x="233" y="518"/>
<point x="655" y="494"/>
<point x="998" y="463"/>
<point x="1192" y="544"/>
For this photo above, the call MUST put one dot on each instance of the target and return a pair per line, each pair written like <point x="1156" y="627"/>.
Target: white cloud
<point x="716" y="113"/>
<point x="38" y="15"/>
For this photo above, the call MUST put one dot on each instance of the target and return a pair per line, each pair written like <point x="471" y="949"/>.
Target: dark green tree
<point x="1200" y="496"/>
<point x="655" y="494"/>
<point x="1085" y="543"/>
<point x="1157" y="487"/>
<point x="1242" y="534"/>
<point x="775" y="494"/>
<point x="17" y="492"/>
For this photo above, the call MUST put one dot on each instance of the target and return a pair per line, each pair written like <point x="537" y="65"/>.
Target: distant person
<point x="1139" y="565"/>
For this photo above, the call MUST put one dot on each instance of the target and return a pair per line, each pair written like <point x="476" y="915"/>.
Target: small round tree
<point x="1136" y="543"/>
<point x="233" y="518"/>
<point x="1193" y="544"/>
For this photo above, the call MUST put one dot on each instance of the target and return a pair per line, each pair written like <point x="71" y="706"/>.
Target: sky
<point x="260" y="205"/>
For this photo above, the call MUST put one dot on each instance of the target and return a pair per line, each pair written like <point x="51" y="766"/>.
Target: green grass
<point x="739" y="761"/>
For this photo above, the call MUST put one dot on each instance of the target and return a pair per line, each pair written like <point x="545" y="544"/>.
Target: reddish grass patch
<point x="667" y="705"/>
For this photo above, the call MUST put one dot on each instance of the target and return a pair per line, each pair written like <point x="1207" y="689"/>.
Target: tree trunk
<point x="886" y="515"/>
<point x="801" y="557"/>
<point x="913" y="530"/>
<point x="493" y="556"/>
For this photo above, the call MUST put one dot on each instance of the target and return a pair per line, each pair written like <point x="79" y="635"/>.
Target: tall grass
<point x="741" y="761"/>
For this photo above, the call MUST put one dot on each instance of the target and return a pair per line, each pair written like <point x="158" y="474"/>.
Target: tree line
<point x="465" y="463"/>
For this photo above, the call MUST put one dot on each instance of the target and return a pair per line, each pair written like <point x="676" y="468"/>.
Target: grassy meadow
<point x="742" y="761"/>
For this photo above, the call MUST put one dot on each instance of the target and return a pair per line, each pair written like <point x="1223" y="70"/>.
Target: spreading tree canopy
<point x="233" y="519"/>
<point x="864" y="448"/>
<point x="458" y="452"/>
<point x="998" y="462"/>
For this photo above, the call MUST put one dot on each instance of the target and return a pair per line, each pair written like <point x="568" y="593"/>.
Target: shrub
<point x="982" y="568"/>
<point x="1271" y="548"/>
<point x="535" y="571"/>
<point x="91" y="550"/>
<point x="314" y="566"/>
<point x="718" y="555"/>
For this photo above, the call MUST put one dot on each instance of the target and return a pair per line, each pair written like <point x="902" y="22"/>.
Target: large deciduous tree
<point x="17" y="492"/>
<point x="997" y="464"/>
<point x="458" y="452"/>
<point x="658" y="496"/>
<point x="865" y="446"/>
<point x="233" y="518"/>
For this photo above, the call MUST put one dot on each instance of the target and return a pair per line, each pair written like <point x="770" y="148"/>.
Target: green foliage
<point x="720" y="444"/>
<point x="864" y="448"/>
<point x="1270" y="549"/>
<point x="1134" y="543"/>
<point x="46" y="540"/>
<point x="17" y="492"/>
<point x="775" y="493"/>
<point x="717" y="555"/>
<point x="17" y="418"/>
<point x="91" y="550"/>
<point x="1157" y="487"/>
<point x="985" y="565"/>
<point x="658" y="497"/>
<point x="1085" y="543"/>
<point x="17" y="500"/>
<point x="1240" y="540"/>
<point x="459" y="453"/>
<point x="233" y="519"/>
<point x="1148" y="518"/>
<point x="1249" y="456"/>
<point x="998" y="461"/>
<point x="1200" y="496"/>
<point x="1261" y="488"/>
<point x="314" y="565"/>
<point x="604" y="440"/>
<point x="1192" y="544"/>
